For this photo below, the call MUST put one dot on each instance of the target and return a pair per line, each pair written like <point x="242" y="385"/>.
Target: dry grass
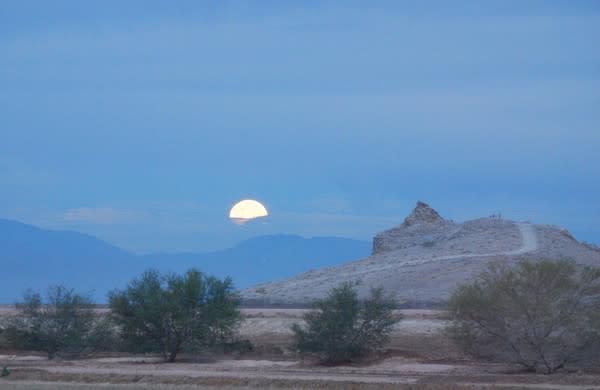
<point x="39" y="379"/>
<point x="31" y="380"/>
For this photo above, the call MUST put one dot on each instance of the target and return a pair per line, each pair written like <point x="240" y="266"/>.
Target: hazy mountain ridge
<point x="423" y="259"/>
<point x="266" y="258"/>
<point x="31" y="257"/>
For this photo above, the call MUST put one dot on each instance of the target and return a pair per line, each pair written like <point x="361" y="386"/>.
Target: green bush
<point x="541" y="315"/>
<point x="59" y="324"/>
<point x="5" y="371"/>
<point x="170" y="313"/>
<point x="341" y="327"/>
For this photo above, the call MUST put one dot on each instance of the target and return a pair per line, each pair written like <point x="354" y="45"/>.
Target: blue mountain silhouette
<point x="36" y="258"/>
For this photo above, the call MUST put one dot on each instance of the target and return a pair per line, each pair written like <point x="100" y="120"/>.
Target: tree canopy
<point x="170" y="313"/>
<point x="61" y="322"/>
<point x="539" y="314"/>
<point x="341" y="327"/>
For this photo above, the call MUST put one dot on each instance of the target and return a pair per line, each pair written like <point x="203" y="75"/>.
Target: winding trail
<point x="529" y="244"/>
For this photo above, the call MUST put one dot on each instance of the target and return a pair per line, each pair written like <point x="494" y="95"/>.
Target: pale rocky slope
<point x="422" y="260"/>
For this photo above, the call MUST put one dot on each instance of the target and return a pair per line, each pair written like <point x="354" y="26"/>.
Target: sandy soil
<point x="419" y="356"/>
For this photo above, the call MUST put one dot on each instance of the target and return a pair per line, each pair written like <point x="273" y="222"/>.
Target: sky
<point x="143" y="122"/>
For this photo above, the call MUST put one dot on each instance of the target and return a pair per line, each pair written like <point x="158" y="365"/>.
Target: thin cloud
<point x="102" y="215"/>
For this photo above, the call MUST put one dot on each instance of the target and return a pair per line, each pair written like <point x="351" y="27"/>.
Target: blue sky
<point x="143" y="122"/>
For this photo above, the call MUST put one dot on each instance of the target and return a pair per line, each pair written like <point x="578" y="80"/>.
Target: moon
<point x="246" y="210"/>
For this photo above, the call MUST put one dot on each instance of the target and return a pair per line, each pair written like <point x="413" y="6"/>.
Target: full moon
<point x="247" y="209"/>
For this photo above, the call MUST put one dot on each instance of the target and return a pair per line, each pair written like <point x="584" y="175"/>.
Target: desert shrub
<point x="14" y="337"/>
<point x="170" y="313"/>
<point x="340" y="327"/>
<point x="541" y="315"/>
<point x="59" y="324"/>
<point x="104" y="336"/>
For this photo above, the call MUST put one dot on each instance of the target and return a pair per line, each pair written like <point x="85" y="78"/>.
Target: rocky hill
<point x="423" y="259"/>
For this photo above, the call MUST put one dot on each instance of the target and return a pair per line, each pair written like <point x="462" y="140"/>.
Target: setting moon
<point x="247" y="209"/>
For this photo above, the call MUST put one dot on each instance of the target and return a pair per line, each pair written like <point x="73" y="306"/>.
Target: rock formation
<point x="423" y="225"/>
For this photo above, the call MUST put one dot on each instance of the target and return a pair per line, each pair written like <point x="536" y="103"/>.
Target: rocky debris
<point x="591" y="246"/>
<point x="421" y="261"/>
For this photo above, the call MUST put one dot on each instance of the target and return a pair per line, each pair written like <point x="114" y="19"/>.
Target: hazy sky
<point x="143" y="122"/>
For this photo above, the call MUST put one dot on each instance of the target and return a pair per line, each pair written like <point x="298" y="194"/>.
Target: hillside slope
<point x="421" y="261"/>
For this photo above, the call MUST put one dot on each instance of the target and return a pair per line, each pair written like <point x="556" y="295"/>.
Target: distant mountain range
<point x="36" y="258"/>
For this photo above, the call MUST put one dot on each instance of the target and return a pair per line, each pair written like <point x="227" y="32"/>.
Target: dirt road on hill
<point x="528" y="239"/>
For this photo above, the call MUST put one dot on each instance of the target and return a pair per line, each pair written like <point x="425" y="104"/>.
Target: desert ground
<point x="418" y="357"/>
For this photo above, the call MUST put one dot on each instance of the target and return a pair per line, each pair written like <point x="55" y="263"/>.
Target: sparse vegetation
<point x="341" y="328"/>
<point x="170" y="313"/>
<point x="541" y="315"/>
<point x="60" y="323"/>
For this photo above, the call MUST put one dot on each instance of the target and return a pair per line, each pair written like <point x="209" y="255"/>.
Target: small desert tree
<point x="169" y="313"/>
<point x="341" y="327"/>
<point x="60" y="323"/>
<point x="541" y="315"/>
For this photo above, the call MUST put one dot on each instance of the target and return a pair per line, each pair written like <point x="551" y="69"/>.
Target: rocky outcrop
<point x="423" y="215"/>
<point x="424" y="225"/>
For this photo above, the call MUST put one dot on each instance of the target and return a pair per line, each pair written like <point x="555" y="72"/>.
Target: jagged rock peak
<point x="422" y="214"/>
